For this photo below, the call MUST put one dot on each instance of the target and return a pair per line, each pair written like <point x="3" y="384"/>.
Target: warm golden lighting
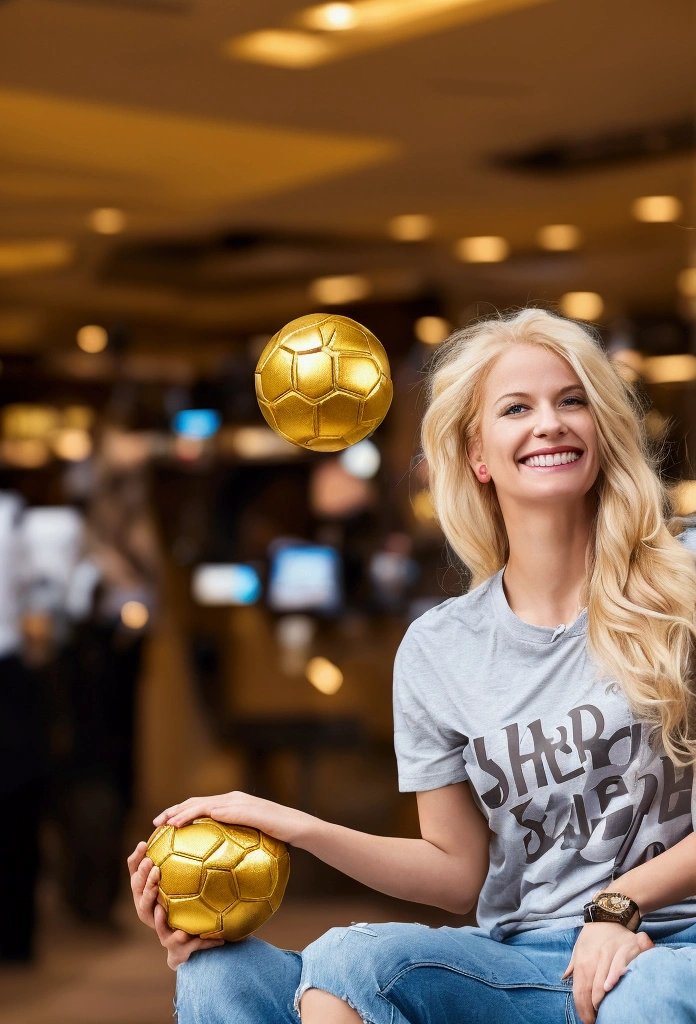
<point x="256" y="443"/>
<point x="134" y="615"/>
<point x="79" y="417"/>
<point x="422" y="505"/>
<point x="107" y="220"/>
<point x="686" y="282"/>
<point x="656" y="209"/>
<point x="27" y="454"/>
<point x="333" y="291"/>
<point x="559" y="237"/>
<point x="482" y="249"/>
<point x="411" y="227"/>
<point x="24" y="421"/>
<point x="431" y="330"/>
<point x="684" y="497"/>
<point x="582" y="305"/>
<point x="628" y="363"/>
<point x="72" y="444"/>
<point x="22" y="257"/>
<point x="281" y="47"/>
<point x="92" y="338"/>
<point x="324" y="675"/>
<point x="330" y="17"/>
<point x="669" y="369"/>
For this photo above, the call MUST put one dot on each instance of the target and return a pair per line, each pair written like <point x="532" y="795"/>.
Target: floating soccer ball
<point x="323" y="382"/>
<point x="218" y="878"/>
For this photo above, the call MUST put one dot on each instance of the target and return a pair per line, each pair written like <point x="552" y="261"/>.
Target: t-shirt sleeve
<point x="428" y="752"/>
<point x="688" y="538"/>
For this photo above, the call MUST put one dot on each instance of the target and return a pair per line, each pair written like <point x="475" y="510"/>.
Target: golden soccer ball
<point x="323" y="382"/>
<point x="218" y="878"/>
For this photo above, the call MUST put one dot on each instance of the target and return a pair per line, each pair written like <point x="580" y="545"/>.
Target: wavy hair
<point x="640" y="584"/>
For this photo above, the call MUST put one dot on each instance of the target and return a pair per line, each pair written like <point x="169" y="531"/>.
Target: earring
<point x="482" y="470"/>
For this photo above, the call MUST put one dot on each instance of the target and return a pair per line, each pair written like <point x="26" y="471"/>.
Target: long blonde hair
<point x="640" y="585"/>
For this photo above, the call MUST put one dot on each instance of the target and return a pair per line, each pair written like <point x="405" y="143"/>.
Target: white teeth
<point x="559" y="459"/>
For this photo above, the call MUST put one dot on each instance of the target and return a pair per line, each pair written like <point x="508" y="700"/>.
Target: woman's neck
<point x="545" y="571"/>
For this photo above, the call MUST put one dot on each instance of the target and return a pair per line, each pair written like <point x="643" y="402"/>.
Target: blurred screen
<point x="305" y="578"/>
<point x="225" y="584"/>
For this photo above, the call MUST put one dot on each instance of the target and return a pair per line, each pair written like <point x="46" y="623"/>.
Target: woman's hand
<point x="144" y="885"/>
<point x="237" y="808"/>
<point x="601" y="954"/>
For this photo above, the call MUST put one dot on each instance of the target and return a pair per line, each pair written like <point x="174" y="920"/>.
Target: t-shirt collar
<point x="528" y="630"/>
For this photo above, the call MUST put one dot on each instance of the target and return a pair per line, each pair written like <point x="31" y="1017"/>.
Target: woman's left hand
<point x="237" y="808"/>
<point x="601" y="954"/>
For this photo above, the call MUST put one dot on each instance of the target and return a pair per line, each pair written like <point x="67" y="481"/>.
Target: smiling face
<point x="534" y="402"/>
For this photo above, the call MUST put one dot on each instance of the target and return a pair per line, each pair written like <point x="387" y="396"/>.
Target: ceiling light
<point x="92" y="338"/>
<point x="19" y="257"/>
<point x="669" y="369"/>
<point x="107" y="220"/>
<point x="281" y="47"/>
<point x="686" y="282"/>
<point x="431" y="330"/>
<point x="482" y="249"/>
<point x="656" y="209"/>
<point x="411" y="227"/>
<point x="324" y="675"/>
<point x="330" y="17"/>
<point x="333" y="291"/>
<point x="582" y="305"/>
<point x="559" y="237"/>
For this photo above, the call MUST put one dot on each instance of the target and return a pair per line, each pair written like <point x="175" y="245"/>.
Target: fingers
<point x="164" y="932"/>
<point x="623" y="957"/>
<point x="140" y="875"/>
<point x="136" y="857"/>
<point x="180" y="814"/>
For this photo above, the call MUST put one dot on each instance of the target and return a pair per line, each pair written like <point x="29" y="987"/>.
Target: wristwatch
<point x="613" y="907"/>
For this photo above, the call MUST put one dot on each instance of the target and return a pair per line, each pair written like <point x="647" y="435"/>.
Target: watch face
<point x="614" y="903"/>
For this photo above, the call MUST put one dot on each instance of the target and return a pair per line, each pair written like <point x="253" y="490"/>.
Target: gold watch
<point x="613" y="907"/>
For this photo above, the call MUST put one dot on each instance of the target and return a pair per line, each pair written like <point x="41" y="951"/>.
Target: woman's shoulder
<point x="454" y="613"/>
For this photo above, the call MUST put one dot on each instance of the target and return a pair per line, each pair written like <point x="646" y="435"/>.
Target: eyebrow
<point x="523" y="394"/>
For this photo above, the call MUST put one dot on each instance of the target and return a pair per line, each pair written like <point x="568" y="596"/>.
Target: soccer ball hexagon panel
<point x="217" y="877"/>
<point x="323" y="382"/>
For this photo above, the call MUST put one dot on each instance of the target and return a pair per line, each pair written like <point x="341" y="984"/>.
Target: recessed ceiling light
<point x="411" y="227"/>
<point x="107" y="220"/>
<point x="559" y="237"/>
<point x="582" y="305"/>
<point x="656" y="209"/>
<point x="482" y="249"/>
<point x="431" y="330"/>
<point x="283" y="48"/>
<point x="92" y="338"/>
<point x="333" y="291"/>
<point x="334" y="17"/>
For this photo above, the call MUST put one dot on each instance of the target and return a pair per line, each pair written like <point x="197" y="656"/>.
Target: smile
<point x="562" y="460"/>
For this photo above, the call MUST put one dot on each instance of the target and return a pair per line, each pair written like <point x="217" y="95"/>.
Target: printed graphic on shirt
<point x="614" y="813"/>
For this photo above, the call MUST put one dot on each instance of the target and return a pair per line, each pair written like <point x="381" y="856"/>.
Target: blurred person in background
<point x="574" y="841"/>
<point x="113" y="603"/>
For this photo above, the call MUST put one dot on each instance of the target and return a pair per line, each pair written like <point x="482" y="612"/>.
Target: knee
<point x="362" y="954"/>
<point x="657" y="985"/>
<point x="213" y="978"/>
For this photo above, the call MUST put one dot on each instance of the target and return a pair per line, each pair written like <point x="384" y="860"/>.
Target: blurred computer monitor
<point x="305" y="578"/>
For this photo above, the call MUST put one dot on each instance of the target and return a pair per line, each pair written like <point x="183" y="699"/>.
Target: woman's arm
<point x="445" y="868"/>
<point x="668" y="878"/>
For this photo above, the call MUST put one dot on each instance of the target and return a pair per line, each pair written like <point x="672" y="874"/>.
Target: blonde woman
<point x="545" y="720"/>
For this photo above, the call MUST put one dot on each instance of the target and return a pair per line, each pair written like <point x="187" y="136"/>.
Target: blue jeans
<point x="413" y="974"/>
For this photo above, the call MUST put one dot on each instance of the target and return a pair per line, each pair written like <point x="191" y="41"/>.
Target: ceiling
<point x="241" y="182"/>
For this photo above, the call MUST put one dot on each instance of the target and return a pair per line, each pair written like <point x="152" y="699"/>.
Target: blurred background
<point x="188" y="603"/>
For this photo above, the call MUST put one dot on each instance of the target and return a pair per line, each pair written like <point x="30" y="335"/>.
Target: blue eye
<point x="570" y="398"/>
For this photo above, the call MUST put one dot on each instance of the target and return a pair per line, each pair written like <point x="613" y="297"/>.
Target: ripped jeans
<point x="412" y="974"/>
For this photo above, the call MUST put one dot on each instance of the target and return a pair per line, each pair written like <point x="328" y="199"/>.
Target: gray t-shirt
<point x="572" y="791"/>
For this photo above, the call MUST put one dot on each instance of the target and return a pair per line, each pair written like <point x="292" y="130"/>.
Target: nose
<point x="548" y="421"/>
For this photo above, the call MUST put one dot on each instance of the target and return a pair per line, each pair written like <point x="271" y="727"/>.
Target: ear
<point x="474" y="454"/>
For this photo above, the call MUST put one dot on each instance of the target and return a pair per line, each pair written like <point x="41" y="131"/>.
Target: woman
<point x="545" y="775"/>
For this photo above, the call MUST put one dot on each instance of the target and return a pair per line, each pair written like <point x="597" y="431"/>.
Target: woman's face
<point x="533" y="402"/>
